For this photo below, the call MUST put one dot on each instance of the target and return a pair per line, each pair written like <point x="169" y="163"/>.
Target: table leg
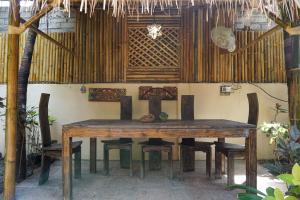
<point x="93" y="155"/>
<point x="67" y="167"/>
<point x="251" y="159"/>
<point x="219" y="162"/>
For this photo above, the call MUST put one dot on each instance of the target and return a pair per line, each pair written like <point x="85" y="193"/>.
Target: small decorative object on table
<point x="147" y="118"/>
<point x="163" y="116"/>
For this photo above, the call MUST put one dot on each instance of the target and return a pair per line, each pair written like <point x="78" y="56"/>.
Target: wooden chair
<point x="188" y="145"/>
<point x="163" y="146"/>
<point x="155" y="146"/>
<point x="53" y="150"/>
<point x="233" y="150"/>
<point x="124" y="144"/>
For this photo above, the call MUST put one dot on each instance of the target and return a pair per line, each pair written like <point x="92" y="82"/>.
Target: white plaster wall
<point x="67" y="105"/>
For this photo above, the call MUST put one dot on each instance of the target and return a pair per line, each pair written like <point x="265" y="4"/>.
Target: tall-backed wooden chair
<point x="50" y="150"/>
<point x="124" y="144"/>
<point x="233" y="150"/>
<point x="188" y="145"/>
<point x="155" y="146"/>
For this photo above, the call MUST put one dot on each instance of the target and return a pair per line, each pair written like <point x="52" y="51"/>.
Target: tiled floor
<point x="155" y="186"/>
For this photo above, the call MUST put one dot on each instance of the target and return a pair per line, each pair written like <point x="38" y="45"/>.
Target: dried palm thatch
<point x="284" y="12"/>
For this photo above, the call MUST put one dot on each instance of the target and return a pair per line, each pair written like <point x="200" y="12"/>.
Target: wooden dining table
<point x="171" y="129"/>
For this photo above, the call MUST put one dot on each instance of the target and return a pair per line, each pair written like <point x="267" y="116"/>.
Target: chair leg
<point x="106" y="159"/>
<point x="78" y="164"/>
<point x="45" y="169"/>
<point x="230" y="169"/>
<point x="208" y="163"/>
<point x="170" y="155"/>
<point x="93" y="155"/>
<point x="223" y="161"/>
<point x="218" y="164"/>
<point x="142" y="164"/>
<point x="188" y="159"/>
<point x="130" y="161"/>
<point x="181" y="162"/>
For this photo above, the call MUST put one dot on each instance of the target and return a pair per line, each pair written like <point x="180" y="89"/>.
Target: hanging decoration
<point x="154" y="30"/>
<point x="224" y="38"/>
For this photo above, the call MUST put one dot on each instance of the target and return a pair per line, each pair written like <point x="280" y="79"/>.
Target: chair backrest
<point x="253" y="108"/>
<point x="187" y="107"/>
<point x="187" y="113"/>
<point x="126" y="108"/>
<point x="44" y="121"/>
<point x="155" y="106"/>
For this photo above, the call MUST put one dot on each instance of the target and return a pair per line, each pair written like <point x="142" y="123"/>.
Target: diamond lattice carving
<point x="144" y="52"/>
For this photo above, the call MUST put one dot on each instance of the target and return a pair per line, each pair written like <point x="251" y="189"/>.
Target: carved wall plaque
<point x="166" y="93"/>
<point x="106" y="94"/>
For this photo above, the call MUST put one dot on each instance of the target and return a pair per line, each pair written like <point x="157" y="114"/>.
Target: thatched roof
<point x="271" y="8"/>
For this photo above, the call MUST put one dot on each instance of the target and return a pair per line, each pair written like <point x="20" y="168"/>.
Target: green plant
<point x="275" y="130"/>
<point x="293" y="184"/>
<point x="33" y="127"/>
<point x="287" y="153"/>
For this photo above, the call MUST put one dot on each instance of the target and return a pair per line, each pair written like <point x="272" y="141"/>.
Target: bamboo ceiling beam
<point x="11" y="113"/>
<point x="253" y="42"/>
<point x="280" y="24"/>
<point x="286" y="26"/>
<point x="277" y="20"/>
<point x="20" y="29"/>
<point x="46" y="36"/>
<point x="293" y="30"/>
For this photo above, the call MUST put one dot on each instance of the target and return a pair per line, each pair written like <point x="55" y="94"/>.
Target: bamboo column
<point x="292" y="65"/>
<point x="11" y="114"/>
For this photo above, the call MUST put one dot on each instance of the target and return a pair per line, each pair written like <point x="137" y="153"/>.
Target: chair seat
<point x="156" y="143"/>
<point x="228" y="147"/>
<point x="116" y="142"/>
<point x="198" y="146"/>
<point x="58" y="147"/>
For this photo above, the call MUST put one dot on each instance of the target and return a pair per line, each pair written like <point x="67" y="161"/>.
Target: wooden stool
<point x="116" y="144"/>
<point x="197" y="146"/>
<point x="149" y="147"/>
<point x="233" y="150"/>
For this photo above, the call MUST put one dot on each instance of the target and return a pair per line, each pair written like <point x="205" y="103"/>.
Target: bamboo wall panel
<point x="263" y="62"/>
<point x="50" y="63"/>
<point x="149" y="59"/>
<point x="101" y="48"/>
<point x="102" y="53"/>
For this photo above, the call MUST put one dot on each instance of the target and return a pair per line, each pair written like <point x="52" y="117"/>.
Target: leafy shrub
<point x="293" y="183"/>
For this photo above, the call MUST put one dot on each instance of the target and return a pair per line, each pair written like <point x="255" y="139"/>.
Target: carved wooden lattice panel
<point x="146" y="52"/>
<point x="153" y="59"/>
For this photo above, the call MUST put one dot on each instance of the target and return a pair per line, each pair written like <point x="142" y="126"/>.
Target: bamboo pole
<point x="46" y="36"/>
<point x="11" y="115"/>
<point x="261" y="37"/>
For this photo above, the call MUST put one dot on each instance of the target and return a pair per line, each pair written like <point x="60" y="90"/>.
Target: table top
<point x="204" y="124"/>
<point x="175" y="124"/>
